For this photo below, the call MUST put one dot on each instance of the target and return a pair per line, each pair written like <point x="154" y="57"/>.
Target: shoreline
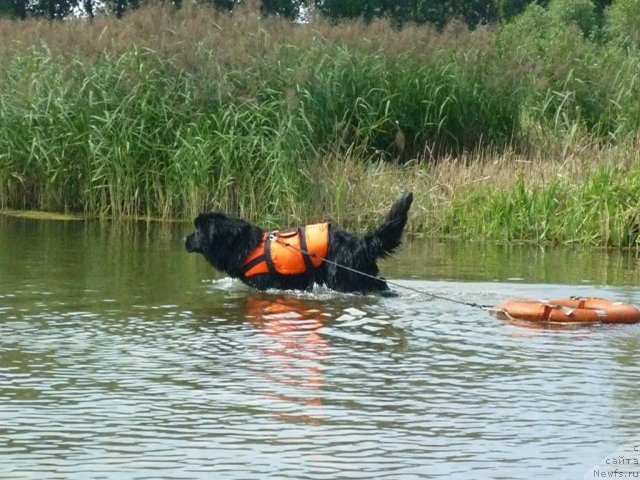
<point x="586" y="199"/>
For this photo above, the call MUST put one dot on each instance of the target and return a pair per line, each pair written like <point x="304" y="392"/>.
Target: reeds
<point x="587" y="198"/>
<point x="168" y="113"/>
<point x="125" y="137"/>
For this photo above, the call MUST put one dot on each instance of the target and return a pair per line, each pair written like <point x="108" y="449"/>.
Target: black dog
<point x="321" y="254"/>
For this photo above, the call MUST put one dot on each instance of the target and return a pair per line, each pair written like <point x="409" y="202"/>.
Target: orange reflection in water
<point x="295" y="353"/>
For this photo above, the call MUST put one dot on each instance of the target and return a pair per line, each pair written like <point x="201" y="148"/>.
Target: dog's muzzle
<point x="189" y="244"/>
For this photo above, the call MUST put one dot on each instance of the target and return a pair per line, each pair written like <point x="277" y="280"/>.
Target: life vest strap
<point x="264" y="257"/>
<point x="267" y="252"/>
<point x="304" y="250"/>
<point x="252" y="263"/>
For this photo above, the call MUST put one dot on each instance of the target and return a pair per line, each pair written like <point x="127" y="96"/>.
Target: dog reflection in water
<point x="291" y="359"/>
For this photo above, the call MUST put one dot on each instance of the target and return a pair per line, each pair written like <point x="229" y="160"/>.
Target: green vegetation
<point x="599" y="207"/>
<point x="434" y="12"/>
<point x="527" y="131"/>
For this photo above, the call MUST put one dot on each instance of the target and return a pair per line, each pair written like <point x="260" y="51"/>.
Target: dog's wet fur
<point x="226" y="242"/>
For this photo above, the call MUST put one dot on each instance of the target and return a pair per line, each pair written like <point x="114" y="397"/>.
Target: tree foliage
<point x="623" y="22"/>
<point x="437" y="12"/>
<point x="586" y="14"/>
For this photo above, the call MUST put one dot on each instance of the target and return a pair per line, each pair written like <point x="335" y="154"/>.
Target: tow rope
<point x="275" y="238"/>
<point x="563" y="311"/>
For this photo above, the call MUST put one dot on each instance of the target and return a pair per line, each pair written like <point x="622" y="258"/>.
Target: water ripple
<point x="228" y="383"/>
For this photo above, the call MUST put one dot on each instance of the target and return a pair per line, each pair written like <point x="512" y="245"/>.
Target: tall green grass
<point x="168" y="113"/>
<point x="133" y="134"/>
<point x="599" y="207"/>
<point x="126" y="137"/>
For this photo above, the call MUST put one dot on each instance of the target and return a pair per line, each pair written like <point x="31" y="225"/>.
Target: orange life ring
<point x="568" y="310"/>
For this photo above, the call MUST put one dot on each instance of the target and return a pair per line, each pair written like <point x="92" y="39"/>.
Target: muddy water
<point x="121" y="356"/>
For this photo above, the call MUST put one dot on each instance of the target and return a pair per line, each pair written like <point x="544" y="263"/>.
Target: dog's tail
<point x="385" y="240"/>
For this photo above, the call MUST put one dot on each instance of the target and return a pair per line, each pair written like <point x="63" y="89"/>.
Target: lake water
<point x="122" y="356"/>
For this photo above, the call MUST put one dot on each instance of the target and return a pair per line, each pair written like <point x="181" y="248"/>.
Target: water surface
<point x="121" y="356"/>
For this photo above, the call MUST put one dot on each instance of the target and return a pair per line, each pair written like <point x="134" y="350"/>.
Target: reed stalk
<point x="502" y="133"/>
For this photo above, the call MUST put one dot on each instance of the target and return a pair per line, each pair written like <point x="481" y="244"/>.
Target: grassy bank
<point x="588" y="196"/>
<point x="166" y="113"/>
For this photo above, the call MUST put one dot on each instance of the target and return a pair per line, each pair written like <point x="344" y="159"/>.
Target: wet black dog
<point x="236" y="247"/>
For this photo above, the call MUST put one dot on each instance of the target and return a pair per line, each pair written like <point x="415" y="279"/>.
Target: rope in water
<point x="274" y="237"/>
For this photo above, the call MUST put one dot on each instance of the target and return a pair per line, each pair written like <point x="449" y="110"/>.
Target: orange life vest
<point x="290" y="252"/>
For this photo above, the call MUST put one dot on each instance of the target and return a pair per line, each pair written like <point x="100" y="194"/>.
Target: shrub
<point x="622" y="22"/>
<point x="565" y="13"/>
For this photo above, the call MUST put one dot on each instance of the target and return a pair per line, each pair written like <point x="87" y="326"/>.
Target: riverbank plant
<point x="169" y="112"/>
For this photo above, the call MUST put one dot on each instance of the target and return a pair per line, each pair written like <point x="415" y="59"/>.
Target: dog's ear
<point x="207" y="221"/>
<point x="200" y="221"/>
<point x="212" y="225"/>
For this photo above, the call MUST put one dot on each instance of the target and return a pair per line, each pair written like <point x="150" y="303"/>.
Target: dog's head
<point x="211" y="230"/>
<point x="224" y="241"/>
<point x="196" y="241"/>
